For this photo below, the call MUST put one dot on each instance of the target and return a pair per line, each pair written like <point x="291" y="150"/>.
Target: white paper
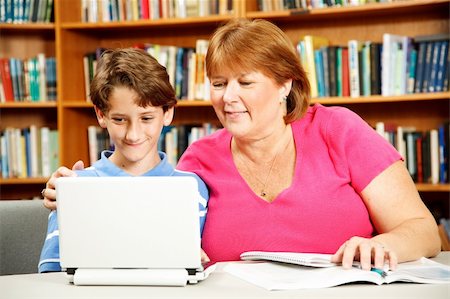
<point x="276" y="276"/>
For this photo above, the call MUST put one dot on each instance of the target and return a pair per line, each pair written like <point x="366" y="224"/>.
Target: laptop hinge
<point x="71" y="271"/>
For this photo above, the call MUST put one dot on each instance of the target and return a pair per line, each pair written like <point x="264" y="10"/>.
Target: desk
<point x="219" y="285"/>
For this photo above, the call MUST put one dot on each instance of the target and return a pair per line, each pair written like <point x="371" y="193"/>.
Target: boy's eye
<point x="147" y="118"/>
<point x="118" y="119"/>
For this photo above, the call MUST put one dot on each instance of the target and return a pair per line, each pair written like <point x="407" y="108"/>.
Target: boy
<point x="133" y="100"/>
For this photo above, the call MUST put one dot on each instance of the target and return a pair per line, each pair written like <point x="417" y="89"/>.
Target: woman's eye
<point x="245" y="83"/>
<point x="218" y="85"/>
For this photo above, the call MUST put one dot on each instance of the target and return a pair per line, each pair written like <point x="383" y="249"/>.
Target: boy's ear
<point x="100" y="117"/>
<point x="168" y="116"/>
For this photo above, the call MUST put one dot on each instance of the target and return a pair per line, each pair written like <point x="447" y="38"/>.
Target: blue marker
<point x="379" y="271"/>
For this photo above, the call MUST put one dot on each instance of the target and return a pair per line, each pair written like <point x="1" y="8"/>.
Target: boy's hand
<point x="49" y="192"/>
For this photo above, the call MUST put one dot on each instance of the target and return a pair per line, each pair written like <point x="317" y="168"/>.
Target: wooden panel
<point x="21" y="191"/>
<point x="26" y="43"/>
<point x="424" y="115"/>
<point x="74" y="141"/>
<point x="24" y="117"/>
<point x="340" y="30"/>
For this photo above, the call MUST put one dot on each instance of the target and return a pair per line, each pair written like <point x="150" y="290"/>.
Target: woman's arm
<point x="406" y="229"/>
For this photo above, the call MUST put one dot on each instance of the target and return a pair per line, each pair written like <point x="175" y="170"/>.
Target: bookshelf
<point x="69" y="39"/>
<point x="24" y="41"/>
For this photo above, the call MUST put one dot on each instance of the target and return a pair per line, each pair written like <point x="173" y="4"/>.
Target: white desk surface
<point x="219" y="285"/>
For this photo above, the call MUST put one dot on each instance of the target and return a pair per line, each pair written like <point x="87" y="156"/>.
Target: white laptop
<point x="130" y="230"/>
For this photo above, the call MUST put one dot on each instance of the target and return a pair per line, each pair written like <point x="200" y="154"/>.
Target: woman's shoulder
<point x="318" y="110"/>
<point x="320" y="115"/>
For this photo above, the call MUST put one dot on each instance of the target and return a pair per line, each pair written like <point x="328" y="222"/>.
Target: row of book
<point x="274" y="5"/>
<point x="399" y="65"/>
<point x="185" y="66"/>
<point x="133" y="10"/>
<point x="26" y="11"/>
<point x="173" y="140"/>
<point x="32" y="79"/>
<point x="426" y="153"/>
<point x="28" y="152"/>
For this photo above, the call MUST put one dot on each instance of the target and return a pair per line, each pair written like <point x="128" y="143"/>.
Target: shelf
<point x="384" y="99"/>
<point x="433" y="187"/>
<point x="31" y="181"/>
<point x="181" y="103"/>
<point x="28" y="26"/>
<point x="23" y="181"/>
<point x="189" y="22"/>
<point x="444" y="96"/>
<point x="28" y="105"/>
<point x="373" y="9"/>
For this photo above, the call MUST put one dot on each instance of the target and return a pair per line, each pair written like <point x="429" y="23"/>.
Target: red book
<point x="345" y="74"/>
<point x="6" y="79"/>
<point x="419" y="160"/>
<point x="144" y="9"/>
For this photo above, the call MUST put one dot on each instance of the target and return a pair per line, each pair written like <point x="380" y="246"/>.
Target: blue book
<point x="318" y="61"/>
<point x="443" y="148"/>
<point x="411" y="71"/>
<point x="434" y="66"/>
<point x="179" y="72"/>
<point x="14" y="79"/>
<point x="420" y="68"/>
<point x="26" y="135"/>
<point x="442" y="66"/>
<point x="427" y="66"/>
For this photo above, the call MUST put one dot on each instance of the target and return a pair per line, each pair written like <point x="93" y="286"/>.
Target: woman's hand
<point x="49" y="193"/>
<point x="368" y="252"/>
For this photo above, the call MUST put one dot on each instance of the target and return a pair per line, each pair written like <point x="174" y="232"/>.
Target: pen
<point x="381" y="272"/>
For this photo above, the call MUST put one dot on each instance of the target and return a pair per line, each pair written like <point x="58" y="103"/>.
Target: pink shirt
<point x="338" y="154"/>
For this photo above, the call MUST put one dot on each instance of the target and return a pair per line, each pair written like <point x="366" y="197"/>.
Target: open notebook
<point x="130" y="230"/>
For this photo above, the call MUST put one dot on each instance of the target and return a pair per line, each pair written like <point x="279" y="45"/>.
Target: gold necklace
<point x="263" y="192"/>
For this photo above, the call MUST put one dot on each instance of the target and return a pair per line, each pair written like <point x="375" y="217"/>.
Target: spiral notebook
<point x="130" y="230"/>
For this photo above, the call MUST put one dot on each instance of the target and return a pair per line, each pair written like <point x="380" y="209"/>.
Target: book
<point x="313" y="43"/>
<point x="296" y="258"/>
<point x="285" y="276"/>
<point x="354" y="48"/>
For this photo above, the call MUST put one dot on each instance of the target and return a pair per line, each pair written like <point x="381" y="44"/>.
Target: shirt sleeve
<point x="49" y="260"/>
<point x="357" y="149"/>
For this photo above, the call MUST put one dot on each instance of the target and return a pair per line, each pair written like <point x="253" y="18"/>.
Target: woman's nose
<point x="231" y="92"/>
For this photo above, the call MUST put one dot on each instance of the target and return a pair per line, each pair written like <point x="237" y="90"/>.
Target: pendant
<point x="263" y="194"/>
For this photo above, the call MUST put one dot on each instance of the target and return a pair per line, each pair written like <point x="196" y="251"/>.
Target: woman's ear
<point x="286" y="88"/>
<point x="101" y="118"/>
<point x="168" y="116"/>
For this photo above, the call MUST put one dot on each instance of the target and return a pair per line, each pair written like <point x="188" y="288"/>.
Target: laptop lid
<point x="128" y="222"/>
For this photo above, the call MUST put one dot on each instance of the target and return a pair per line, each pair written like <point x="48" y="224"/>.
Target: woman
<point x="293" y="177"/>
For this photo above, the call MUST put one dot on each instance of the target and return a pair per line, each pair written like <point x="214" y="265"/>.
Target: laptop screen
<point x="128" y="222"/>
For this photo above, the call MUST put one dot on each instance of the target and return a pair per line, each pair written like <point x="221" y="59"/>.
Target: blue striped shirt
<point x="49" y="260"/>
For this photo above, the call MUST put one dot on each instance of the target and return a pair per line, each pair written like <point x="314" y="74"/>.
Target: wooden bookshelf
<point x="69" y="39"/>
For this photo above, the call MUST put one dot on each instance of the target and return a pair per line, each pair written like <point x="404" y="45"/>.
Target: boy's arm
<point x="49" y="192"/>
<point x="49" y="260"/>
